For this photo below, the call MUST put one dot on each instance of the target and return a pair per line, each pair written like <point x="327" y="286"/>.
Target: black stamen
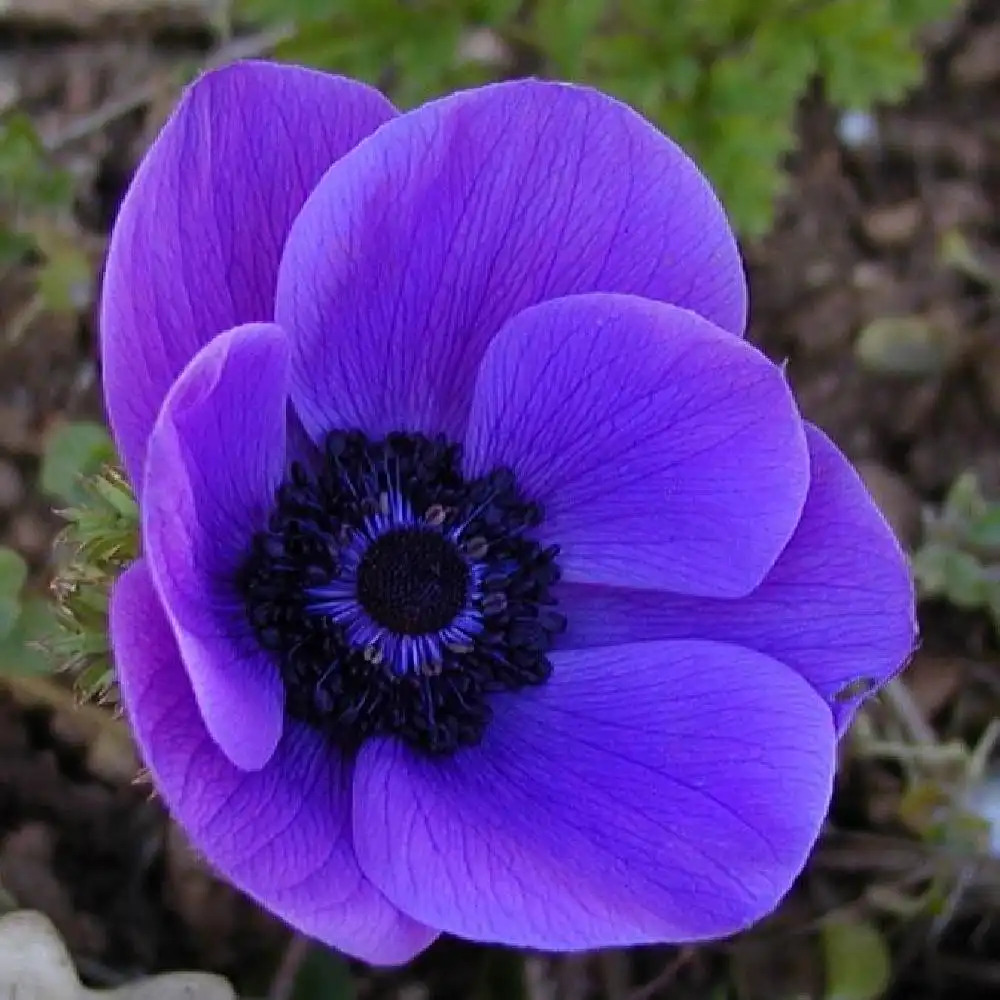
<point x="465" y="575"/>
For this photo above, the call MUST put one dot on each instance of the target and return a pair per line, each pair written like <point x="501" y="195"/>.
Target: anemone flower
<point x="491" y="582"/>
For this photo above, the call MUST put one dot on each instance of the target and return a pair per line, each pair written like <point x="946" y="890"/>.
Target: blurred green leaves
<point x="959" y="559"/>
<point x="857" y="960"/>
<point x="13" y="575"/>
<point x="36" y="225"/>
<point x="22" y="649"/>
<point x="28" y="182"/>
<point x="100" y="537"/>
<point x="323" y="975"/>
<point x="73" y="452"/>
<point x="907" y="346"/>
<point x="25" y="619"/>
<point x="723" y="77"/>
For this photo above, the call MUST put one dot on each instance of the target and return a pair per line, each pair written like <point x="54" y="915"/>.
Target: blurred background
<point x="857" y="145"/>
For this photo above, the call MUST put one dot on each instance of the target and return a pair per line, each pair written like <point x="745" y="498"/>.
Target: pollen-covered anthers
<point x="397" y="597"/>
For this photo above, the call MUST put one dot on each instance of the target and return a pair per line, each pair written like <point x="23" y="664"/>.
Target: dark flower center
<point x="412" y="581"/>
<point x="398" y="597"/>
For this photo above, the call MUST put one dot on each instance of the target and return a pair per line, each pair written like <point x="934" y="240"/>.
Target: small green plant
<point x="74" y="451"/>
<point x="67" y="630"/>
<point x="959" y="559"/>
<point x="99" y="540"/>
<point x="856" y="959"/>
<point x="724" y="77"/>
<point x="31" y="188"/>
<point x="37" y="229"/>
<point x="25" y="619"/>
<point x="13" y="575"/>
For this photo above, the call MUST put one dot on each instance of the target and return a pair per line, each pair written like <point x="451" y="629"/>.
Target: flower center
<point x="396" y="596"/>
<point x="413" y="581"/>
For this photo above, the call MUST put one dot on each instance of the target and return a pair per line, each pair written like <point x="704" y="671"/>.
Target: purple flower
<point x="491" y="582"/>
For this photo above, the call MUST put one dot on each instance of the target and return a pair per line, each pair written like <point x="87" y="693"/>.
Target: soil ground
<point x="859" y="239"/>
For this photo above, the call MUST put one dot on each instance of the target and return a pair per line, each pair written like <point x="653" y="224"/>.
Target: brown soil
<point x="859" y="239"/>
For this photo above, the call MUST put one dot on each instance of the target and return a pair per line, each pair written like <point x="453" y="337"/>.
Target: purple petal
<point x="216" y="456"/>
<point x="281" y="834"/>
<point x="666" y="453"/>
<point x="838" y="606"/>
<point x="196" y="246"/>
<point x="657" y="792"/>
<point x="418" y="246"/>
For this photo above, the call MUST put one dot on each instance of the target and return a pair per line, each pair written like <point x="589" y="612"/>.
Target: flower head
<point x="491" y="582"/>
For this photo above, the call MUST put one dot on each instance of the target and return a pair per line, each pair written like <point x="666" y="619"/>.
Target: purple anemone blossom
<point x="491" y="583"/>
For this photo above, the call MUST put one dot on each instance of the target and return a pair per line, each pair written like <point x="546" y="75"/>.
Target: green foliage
<point x="724" y="77"/>
<point x="957" y="252"/>
<point x="102" y="525"/>
<point x="13" y="574"/>
<point x="31" y="189"/>
<point x="857" y="960"/>
<point x="22" y="649"/>
<point x="25" y="619"/>
<point x="323" y="975"/>
<point x="28" y="182"/>
<point x="74" y="451"/>
<point x="36" y="226"/>
<point x="101" y="538"/>
<point x="959" y="559"/>
<point x="906" y="346"/>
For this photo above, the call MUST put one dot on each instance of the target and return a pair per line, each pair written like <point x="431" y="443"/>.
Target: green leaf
<point x="865" y="53"/>
<point x="955" y="251"/>
<point x="984" y="532"/>
<point x="723" y="77"/>
<point x="908" y="346"/>
<point x="857" y="960"/>
<point x="65" y="278"/>
<point x="916" y="14"/>
<point x="27" y="180"/>
<point x="565" y="29"/>
<point x="964" y="503"/>
<point x="323" y="975"/>
<point x="94" y="681"/>
<point x="945" y="571"/>
<point x="287" y="10"/>
<point x="13" y="573"/>
<point x="14" y="246"/>
<point x="101" y="537"/>
<point x="74" y="450"/>
<point x="116" y="494"/>
<point x="498" y="13"/>
<point x="21" y="649"/>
